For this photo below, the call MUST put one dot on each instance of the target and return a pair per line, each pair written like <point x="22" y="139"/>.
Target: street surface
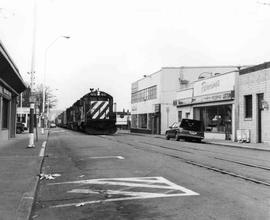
<point x="125" y="176"/>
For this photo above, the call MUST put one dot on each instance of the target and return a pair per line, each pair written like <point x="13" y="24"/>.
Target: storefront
<point x="11" y="85"/>
<point x="210" y="100"/>
<point x="213" y="103"/>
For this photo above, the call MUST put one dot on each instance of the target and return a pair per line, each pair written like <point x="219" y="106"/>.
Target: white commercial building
<point x="212" y="101"/>
<point x="153" y="98"/>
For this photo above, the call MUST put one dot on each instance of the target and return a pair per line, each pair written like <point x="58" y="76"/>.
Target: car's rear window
<point x="192" y="125"/>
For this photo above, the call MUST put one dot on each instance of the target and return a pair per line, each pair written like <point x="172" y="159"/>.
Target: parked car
<point x="187" y="129"/>
<point x="52" y="125"/>
<point x="19" y="127"/>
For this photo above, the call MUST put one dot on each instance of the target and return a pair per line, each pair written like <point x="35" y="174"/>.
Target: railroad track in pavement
<point x="195" y="162"/>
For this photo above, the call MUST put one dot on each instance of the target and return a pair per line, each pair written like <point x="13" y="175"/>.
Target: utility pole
<point x="32" y="99"/>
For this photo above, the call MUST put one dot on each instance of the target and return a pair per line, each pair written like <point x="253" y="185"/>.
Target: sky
<point x="114" y="43"/>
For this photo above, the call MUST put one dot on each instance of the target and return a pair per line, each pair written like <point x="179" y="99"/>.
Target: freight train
<point x="93" y="114"/>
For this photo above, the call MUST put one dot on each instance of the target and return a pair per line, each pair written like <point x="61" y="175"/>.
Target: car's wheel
<point x="167" y="137"/>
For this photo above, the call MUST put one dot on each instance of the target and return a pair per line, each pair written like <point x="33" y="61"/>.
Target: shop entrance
<point x="259" y="122"/>
<point x="217" y="119"/>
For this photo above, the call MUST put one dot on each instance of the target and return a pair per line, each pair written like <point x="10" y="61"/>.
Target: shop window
<point x="216" y="119"/>
<point x="134" y="121"/>
<point x="143" y="121"/>
<point x="248" y="106"/>
<point x="5" y="114"/>
<point x="179" y="116"/>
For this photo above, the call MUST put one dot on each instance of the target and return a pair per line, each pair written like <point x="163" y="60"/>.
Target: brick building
<point x="254" y="99"/>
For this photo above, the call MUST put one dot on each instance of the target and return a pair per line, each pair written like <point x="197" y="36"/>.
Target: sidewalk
<point x="252" y="146"/>
<point x="19" y="169"/>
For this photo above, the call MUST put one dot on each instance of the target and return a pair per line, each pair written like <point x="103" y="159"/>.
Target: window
<point x="5" y="114"/>
<point x="248" y="106"/>
<point x="142" y="120"/>
<point x="145" y="94"/>
<point x="216" y="119"/>
<point x="187" y="114"/>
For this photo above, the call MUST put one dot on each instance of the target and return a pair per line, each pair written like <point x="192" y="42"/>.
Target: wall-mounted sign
<point x="157" y="108"/>
<point x="217" y="84"/>
<point x="5" y="92"/>
<point x="214" y="97"/>
<point x="182" y="102"/>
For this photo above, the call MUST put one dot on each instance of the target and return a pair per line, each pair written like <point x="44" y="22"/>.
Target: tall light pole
<point x="44" y="81"/>
<point x="32" y="101"/>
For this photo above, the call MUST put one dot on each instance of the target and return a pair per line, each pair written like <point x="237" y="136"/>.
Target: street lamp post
<point x="32" y="101"/>
<point x="44" y="82"/>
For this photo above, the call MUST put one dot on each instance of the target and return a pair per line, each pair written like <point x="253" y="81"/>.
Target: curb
<point x="26" y="204"/>
<point x="212" y="143"/>
<point x="236" y="146"/>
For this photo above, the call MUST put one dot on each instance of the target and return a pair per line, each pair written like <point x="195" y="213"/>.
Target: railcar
<point x="93" y="114"/>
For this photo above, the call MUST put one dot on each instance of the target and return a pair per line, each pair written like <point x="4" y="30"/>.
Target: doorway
<point x="259" y="122"/>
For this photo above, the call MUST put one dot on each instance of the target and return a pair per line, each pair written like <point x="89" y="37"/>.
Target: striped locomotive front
<point x="99" y="110"/>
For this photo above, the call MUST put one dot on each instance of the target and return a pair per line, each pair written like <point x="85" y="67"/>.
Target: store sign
<point x="182" y="102"/>
<point x="157" y="108"/>
<point x="215" y="97"/>
<point x="217" y="84"/>
<point x="6" y="92"/>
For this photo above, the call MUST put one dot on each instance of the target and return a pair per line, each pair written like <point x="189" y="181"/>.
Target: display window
<point x="217" y="119"/>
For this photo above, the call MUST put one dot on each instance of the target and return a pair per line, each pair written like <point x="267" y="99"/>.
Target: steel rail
<point x="194" y="163"/>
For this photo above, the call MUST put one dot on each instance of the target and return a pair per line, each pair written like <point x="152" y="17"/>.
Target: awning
<point x="9" y="74"/>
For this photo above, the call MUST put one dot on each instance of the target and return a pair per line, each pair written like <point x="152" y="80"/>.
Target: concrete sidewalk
<point x="19" y="169"/>
<point x="252" y="146"/>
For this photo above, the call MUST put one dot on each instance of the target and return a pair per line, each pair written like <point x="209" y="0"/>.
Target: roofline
<point x="255" y="68"/>
<point x="194" y="67"/>
<point x="217" y="66"/>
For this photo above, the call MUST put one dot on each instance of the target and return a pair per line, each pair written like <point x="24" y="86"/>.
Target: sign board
<point x="6" y="92"/>
<point x="214" y="97"/>
<point x="183" y="94"/>
<point x="217" y="84"/>
<point x="157" y="108"/>
<point x="181" y="102"/>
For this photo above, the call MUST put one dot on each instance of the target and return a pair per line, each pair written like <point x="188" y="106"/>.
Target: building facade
<point x="254" y="99"/>
<point x="154" y="98"/>
<point x="11" y="85"/>
<point x="212" y="101"/>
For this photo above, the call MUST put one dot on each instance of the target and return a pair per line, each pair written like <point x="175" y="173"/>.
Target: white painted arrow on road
<point x="135" y="188"/>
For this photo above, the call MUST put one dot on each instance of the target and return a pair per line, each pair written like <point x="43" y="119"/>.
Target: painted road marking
<point x="42" y="150"/>
<point x="134" y="188"/>
<point x="107" y="157"/>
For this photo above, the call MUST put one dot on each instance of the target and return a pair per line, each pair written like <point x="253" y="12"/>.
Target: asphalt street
<point x="126" y="176"/>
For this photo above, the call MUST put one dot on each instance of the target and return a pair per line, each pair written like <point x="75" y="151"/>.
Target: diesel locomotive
<point x="93" y="114"/>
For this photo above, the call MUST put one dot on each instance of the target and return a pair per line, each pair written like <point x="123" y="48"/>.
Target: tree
<point x="50" y="98"/>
